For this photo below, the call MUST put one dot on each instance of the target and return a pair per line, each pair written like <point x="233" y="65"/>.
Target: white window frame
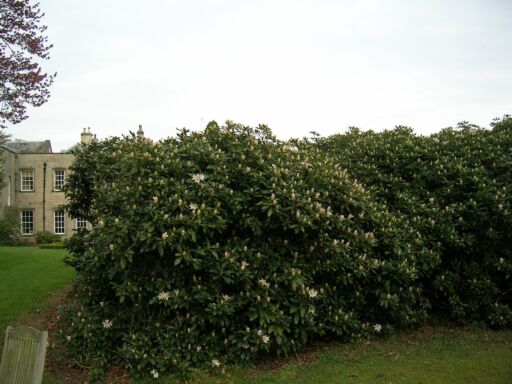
<point x="80" y="223"/>
<point x="61" y="181"/>
<point x="24" y="215"/>
<point x="27" y="177"/>
<point x="59" y="222"/>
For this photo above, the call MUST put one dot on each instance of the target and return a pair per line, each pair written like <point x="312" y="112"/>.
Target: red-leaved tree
<point x="23" y="45"/>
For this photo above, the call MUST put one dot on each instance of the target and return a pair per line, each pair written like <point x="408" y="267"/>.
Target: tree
<point x="3" y="139"/>
<point x="22" y="45"/>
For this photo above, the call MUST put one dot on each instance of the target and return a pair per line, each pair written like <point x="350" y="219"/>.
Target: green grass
<point x="459" y="355"/>
<point x="27" y="276"/>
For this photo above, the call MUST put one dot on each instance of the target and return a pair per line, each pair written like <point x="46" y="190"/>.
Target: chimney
<point x="86" y="136"/>
<point x="140" y="133"/>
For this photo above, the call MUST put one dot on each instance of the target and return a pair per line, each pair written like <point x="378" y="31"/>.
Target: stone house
<point x="33" y="179"/>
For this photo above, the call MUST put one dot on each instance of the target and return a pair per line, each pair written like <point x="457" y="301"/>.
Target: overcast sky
<point x="294" y="65"/>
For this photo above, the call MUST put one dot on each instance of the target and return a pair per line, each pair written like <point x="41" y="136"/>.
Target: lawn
<point x="436" y="355"/>
<point x="27" y="276"/>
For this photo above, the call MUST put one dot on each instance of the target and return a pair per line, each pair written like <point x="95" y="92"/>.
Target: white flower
<point x="101" y="223"/>
<point x="193" y="206"/>
<point x="259" y="332"/>
<point x="111" y="246"/>
<point x="243" y="265"/>
<point x="68" y="338"/>
<point x="155" y="199"/>
<point x="154" y="373"/>
<point x="502" y="260"/>
<point x="165" y="235"/>
<point x="216" y="363"/>
<point x="377" y="328"/>
<point x="198" y="178"/>
<point x="226" y="297"/>
<point x="291" y="148"/>
<point x="263" y="283"/>
<point x="312" y="292"/>
<point x="265" y="339"/>
<point x="107" y="323"/>
<point x="163" y="295"/>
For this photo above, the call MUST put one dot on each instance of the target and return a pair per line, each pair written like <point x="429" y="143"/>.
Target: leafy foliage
<point x="46" y="237"/>
<point x="22" y="43"/>
<point x="217" y="246"/>
<point x="455" y="188"/>
<point x="54" y="245"/>
<point x="9" y="227"/>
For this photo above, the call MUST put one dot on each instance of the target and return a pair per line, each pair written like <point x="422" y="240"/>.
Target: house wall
<point x="44" y="200"/>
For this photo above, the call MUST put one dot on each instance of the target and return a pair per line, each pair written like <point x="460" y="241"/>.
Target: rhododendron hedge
<point x="214" y="247"/>
<point x="455" y="188"/>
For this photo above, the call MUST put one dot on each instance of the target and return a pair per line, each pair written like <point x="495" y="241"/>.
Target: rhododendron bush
<point x="217" y="246"/>
<point x="455" y="187"/>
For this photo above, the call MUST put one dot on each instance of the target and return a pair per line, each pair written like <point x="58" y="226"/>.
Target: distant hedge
<point x="218" y="246"/>
<point x="55" y="245"/>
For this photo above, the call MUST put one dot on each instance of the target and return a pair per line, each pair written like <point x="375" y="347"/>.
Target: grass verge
<point x="438" y="355"/>
<point x="27" y="276"/>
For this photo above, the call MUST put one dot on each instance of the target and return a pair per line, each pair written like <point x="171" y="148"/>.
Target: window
<point x="58" y="222"/>
<point x="27" y="222"/>
<point x="81" y="223"/>
<point x="58" y="179"/>
<point x="27" y="180"/>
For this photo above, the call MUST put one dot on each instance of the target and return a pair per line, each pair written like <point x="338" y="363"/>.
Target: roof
<point x="19" y="146"/>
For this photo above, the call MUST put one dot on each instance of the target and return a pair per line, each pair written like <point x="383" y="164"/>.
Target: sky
<point x="296" y="65"/>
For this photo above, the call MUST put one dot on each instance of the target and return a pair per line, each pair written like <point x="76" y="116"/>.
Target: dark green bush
<point x="9" y="233"/>
<point x="46" y="237"/>
<point x="56" y="245"/>
<point x="455" y="188"/>
<point x="215" y="247"/>
<point x="9" y="227"/>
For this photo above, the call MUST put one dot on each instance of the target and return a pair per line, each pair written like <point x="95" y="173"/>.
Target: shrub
<point x="46" y="237"/>
<point x="217" y="246"/>
<point x="8" y="233"/>
<point x="9" y="227"/>
<point x="56" y="245"/>
<point x="455" y="188"/>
